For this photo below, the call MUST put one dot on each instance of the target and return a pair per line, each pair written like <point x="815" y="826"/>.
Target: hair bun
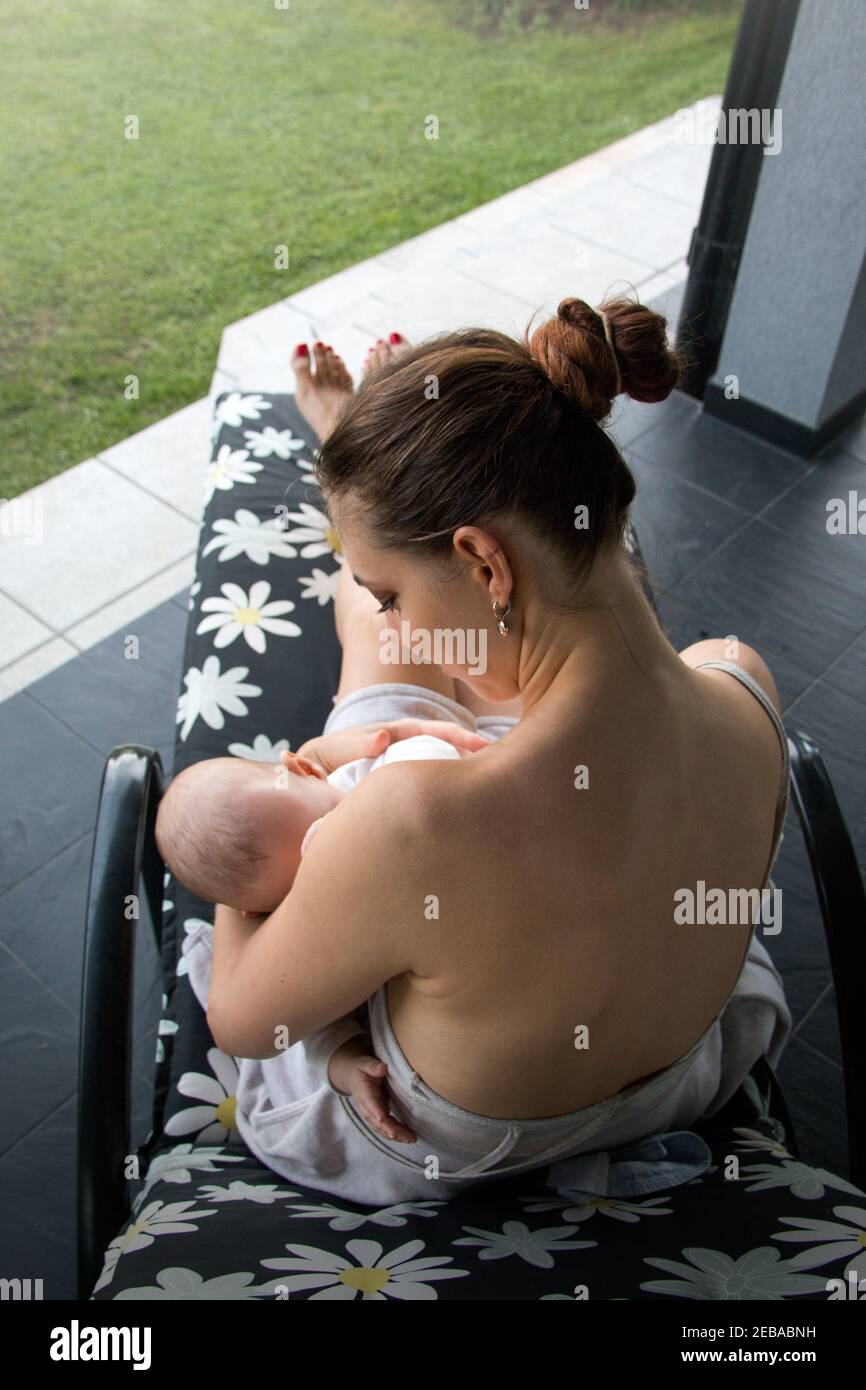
<point x="591" y="367"/>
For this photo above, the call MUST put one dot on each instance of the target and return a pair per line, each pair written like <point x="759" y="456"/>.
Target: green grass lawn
<point x="261" y="127"/>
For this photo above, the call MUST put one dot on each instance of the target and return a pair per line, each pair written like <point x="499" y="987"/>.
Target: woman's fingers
<point x="377" y="743"/>
<point x="437" y="728"/>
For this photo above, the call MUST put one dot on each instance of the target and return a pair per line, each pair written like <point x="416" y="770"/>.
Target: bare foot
<point x="320" y="394"/>
<point x="382" y="352"/>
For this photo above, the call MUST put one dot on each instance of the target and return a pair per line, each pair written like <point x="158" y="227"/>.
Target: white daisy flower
<point x="229" y="467"/>
<point x="263" y="1193"/>
<point x="180" y="1162"/>
<point x="250" y="614"/>
<point x="617" y="1208"/>
<point x="516" y="1239"/>
<point x="264" y="443"/>
<point x="321" y="586"/>
<point x="374" y="1275"/>
<point x="339" y="1219"/>
<point x="194" y="590"/>
<point x="234" y="408"/>
<point x="798" y="1178"/>
<point x="187" y="1285"/>
<point x="316" y="531"/>
<point x="214" y="1120"/>
<point x="837" y="1240"/>
<point x="249" y="536"/>
<point x="209" y="692"/>
<point x="761" y="1274"/>
<point x="261" y="750"/>
<point x="752" y="1140"/>
<point x="156" y="1219"/>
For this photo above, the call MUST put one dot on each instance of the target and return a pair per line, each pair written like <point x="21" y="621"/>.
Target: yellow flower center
<point x="219" y="469"/>
<point x="861" y="1239"/>
<point x="225" y="1113"/>
<point x="333" y="540"/>
<point x="365" y="1280"/>
<point x="247" y="617"/>
<point x="134" y="1230"/>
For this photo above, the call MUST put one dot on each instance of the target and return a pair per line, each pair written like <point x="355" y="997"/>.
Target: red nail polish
<point x="302" y="350"/>
<point x="396" y="337"/>
<point x="318" y="344"/>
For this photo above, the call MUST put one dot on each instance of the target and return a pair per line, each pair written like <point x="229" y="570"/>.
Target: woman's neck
<point x="612" y="637"/>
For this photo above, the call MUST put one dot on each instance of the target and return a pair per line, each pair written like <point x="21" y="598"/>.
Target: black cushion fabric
<point x="208" y="1220"/>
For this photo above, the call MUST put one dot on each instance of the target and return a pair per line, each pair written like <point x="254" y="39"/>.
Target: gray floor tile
<point x="110" y="699"/>
<point x="803" y="510"/>
<point x="50" y="779"/>
<point x="848" y="672"/>
<point x="773" y="593"/>
<point x="37" y="1217"/>
<point x="38" y="1050"/>
<point x="820" y="1027"/>
<point x="679" y="526"/>
<point x="719" y="458"/>
<point x="42" y="920"/>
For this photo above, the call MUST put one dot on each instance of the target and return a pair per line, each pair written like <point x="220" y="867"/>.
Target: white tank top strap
<point x="763" y="699"/>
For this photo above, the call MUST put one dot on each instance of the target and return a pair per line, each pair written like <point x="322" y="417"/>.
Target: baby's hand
<point x="363" y="1077"/>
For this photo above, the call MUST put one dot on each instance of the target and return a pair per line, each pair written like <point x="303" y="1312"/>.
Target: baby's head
<point x="231" y="830"/>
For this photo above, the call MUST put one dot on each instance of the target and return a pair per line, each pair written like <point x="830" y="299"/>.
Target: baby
<point x="234" y="831"/>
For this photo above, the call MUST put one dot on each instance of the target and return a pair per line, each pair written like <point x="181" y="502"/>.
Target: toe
<point x="320" y="353"/>
<point x="342" y="375"/>
<point x="301" y="361"/>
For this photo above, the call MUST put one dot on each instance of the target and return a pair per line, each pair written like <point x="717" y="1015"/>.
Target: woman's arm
<point x="347" y="926"/>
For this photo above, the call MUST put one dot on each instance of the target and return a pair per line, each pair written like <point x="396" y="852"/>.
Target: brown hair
<point x="474" y="425"/>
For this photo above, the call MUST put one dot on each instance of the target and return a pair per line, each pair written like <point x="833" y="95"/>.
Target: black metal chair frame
<point x="126" y="861"/>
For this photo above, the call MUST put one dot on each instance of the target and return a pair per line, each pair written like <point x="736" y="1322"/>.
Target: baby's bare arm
<point x="355" y="1072"/>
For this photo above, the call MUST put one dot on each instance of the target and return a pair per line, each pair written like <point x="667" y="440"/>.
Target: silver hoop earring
<point x="502" y="614"/>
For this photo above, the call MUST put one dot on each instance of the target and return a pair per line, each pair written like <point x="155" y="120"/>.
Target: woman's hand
<point x="357" y="1073"/>
<point x="331" y="751"/>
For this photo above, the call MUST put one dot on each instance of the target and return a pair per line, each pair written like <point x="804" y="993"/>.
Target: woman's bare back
<point x="549" y="906"/>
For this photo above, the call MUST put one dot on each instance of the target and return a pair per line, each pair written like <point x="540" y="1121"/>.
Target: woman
<point x="514" y="916"/>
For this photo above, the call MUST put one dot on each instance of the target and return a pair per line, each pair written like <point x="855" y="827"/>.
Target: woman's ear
<point x="482" y="551"/>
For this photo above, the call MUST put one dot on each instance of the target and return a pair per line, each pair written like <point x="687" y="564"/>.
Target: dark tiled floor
<point x="735" y="538"/>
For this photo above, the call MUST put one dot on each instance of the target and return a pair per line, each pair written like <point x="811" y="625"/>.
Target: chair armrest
<point x="124" y="859"/>
<point x="842" y="901"/>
